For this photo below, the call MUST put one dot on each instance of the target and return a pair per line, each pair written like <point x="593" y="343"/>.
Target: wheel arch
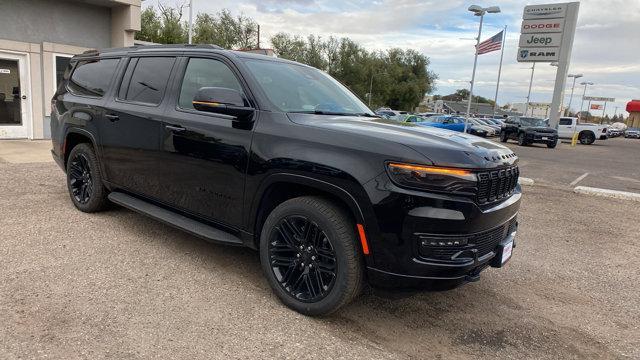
<point x="73" y="137"/>
<point x="280" y="187"/>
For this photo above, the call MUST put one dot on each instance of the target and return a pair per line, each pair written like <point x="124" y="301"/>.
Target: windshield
<point x="527" y="121"/>
<point x="298" y="88"/>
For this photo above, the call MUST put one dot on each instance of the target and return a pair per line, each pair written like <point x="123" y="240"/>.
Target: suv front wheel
<point x="309" y="255"/>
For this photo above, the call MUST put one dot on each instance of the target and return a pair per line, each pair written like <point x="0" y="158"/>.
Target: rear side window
<point x="565" y="122"/>
<point x="149" y="78"/>
<point x="91" y="78"/>
<point x="205" y="73"/>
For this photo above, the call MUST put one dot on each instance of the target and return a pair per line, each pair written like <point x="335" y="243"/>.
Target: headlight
<point x="434" y="178"/>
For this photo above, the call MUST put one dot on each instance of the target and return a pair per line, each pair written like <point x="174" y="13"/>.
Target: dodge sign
<point x="542" y="26"/>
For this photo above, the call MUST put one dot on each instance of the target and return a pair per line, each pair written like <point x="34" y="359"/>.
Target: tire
<point x="335" y="249"/>
<point x="503" y="136"/>
<point x="84" y="180"/>
<point x="587" y="138"/>
<point x="552" y="144"/>
<point x="521" y="139"/>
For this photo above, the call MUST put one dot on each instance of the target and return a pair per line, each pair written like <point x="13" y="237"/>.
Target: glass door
<point x="13" y="96"/>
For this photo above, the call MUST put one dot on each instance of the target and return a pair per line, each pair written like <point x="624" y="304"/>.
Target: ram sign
<point x="538" y="54"/>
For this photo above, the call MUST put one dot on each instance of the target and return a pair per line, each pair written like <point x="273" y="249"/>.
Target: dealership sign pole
<point x="547" y="36"/>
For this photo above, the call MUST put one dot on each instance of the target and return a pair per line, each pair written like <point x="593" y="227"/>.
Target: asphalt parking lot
<point x="119" y="285"/>
<point x="610" y="164"/>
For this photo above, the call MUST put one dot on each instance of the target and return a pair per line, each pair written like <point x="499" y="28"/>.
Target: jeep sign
<point x="538" y="54"/>
<point x="550" y="39"/>
<point x="542" y="26"/>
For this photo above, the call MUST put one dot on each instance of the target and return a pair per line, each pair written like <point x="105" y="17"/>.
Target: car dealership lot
<point x="610" y="164"/>
<point x="117" y="284"/>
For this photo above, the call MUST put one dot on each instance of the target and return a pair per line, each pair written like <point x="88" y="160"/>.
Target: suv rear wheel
<point x="309" y="255"/>
<point x="503" y="136"/>
<point x="84" y="180"/>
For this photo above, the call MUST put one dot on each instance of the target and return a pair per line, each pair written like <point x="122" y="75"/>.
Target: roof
<point x="633" y="106"/>
<point x="179" y="48"/>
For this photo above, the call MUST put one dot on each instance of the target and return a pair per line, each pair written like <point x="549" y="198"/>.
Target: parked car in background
<point x="387" y="113"/>
<point x="449" y="122"/>
<point x="632" y="133"/>
<point x="587" y="133"/>
<point x="528" y="130"/>
<point x="490" y="124"/>
<point x="613" y="132"/>
<point x="490" y="131"/>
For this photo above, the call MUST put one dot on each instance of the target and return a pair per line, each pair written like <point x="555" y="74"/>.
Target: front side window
<point x="148" y="80"/>
<point x="303" y="89"/>
<point x="205" y="73"/>
<point x="92" y="78"/>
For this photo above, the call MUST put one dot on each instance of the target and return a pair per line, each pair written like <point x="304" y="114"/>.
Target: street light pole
<point x="478" y="11"/>
<point x="190" y="21"/>
<point x="533" y="69"/>
<point x="584" y="92"/>
<point x="574" y="76"/>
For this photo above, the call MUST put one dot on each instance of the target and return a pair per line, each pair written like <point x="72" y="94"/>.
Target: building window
<point x="61" y="63"/>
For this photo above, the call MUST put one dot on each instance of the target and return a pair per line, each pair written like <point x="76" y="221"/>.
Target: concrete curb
<point x="607" y="193"/>
<point x="526" y="181"/>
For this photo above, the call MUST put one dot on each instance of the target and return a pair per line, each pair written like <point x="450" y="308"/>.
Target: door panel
<point x="204" y="155"/>
<point x="131" y="127"/>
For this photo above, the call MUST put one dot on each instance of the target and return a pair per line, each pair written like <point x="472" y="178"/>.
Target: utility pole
<point x="258" y="36"/>
<point x="574" y="76"/>
<point x="584" y="92"/>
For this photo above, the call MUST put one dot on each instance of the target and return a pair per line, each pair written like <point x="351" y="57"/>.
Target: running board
<point x="169" y="217"/>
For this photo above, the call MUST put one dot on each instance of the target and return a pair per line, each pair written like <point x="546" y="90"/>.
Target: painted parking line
<point x="580" y="178"/>
<point x="607" y="193"/>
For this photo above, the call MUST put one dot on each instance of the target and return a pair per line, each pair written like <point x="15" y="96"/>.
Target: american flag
<point x="492" y="44"/>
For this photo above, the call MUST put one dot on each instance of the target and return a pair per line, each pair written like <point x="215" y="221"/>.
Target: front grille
<point x="496" y="185"/>
<point x="483" y="242"/>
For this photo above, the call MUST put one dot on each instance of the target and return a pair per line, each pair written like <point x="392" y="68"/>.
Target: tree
<point x="396" y="78"/>
<point x="173" y="30"/>
<point x="151" y="25"/>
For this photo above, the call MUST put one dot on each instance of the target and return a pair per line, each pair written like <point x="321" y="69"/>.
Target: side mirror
<point x="222" y="101"/>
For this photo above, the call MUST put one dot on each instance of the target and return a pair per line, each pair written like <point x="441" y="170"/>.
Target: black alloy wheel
<point x="522" y="141"/>
<point x="302" y="259"/>
<point x="84" y="180"/>
<point x="503" y="136"/>
<point x="80" y="180"/>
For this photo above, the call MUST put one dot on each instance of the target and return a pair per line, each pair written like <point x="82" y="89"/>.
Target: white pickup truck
<point x="587" y="133"/>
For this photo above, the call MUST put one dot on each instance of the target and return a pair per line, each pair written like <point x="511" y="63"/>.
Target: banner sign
<point x="596" y="107"/>
<point x="598" y="98"/>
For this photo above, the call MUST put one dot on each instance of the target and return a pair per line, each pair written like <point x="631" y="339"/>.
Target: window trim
<point x="180" y="79"/>
<point x="128" y="80"/>
<point x="54" y="68"/>
<point x="75" y="67"/>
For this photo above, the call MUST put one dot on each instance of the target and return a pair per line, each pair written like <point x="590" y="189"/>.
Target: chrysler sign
<point x="550" y="11"/>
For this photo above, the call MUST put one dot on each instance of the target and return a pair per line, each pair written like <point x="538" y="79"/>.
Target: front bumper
<point x="541" y="138"/>
<point x="415" y="245"/>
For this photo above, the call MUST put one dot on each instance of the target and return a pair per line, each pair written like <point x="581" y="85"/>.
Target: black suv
<point x="528" y="130"/>
<point x="250" y="150"/>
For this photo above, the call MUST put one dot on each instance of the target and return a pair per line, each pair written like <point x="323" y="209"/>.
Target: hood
<point x="440" y="146"/>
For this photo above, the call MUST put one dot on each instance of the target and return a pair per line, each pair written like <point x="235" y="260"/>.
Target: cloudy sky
<point x="606" y="48"/>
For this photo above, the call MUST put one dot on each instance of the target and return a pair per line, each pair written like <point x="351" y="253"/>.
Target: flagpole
<point x="495" y="100"/>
